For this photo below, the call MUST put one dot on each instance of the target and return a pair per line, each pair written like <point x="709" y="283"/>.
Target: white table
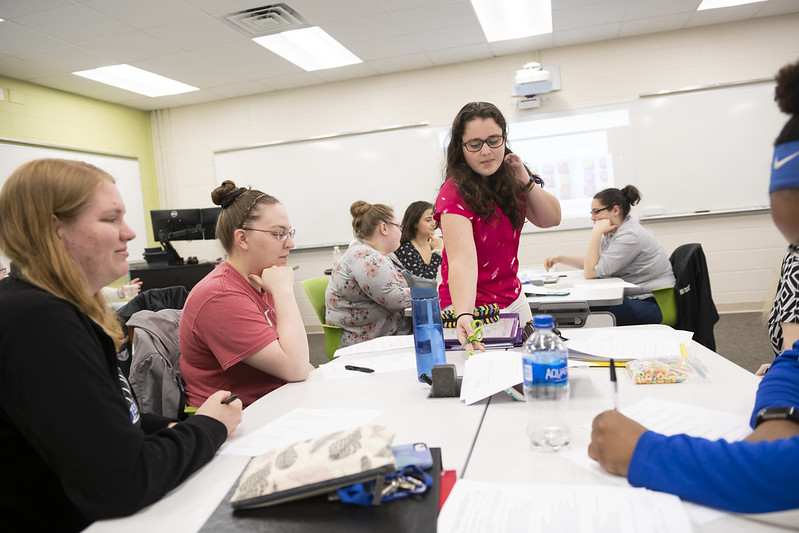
<point x="485" y="441"/>
<point x="502" y="452"/>
<point x="440" y="422"/>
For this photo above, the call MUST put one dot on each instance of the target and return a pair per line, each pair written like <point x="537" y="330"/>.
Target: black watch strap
<point x="777" y="413"/>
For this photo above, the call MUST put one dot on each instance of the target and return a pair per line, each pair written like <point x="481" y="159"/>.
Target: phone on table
<point x="412" y="454"/>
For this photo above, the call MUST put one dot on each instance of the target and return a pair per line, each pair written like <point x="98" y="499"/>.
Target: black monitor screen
<point x="177" y="224"/>
<point x="208" y="216"/>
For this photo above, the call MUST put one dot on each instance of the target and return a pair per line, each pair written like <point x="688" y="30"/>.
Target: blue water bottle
<point x="546" y="386"/>
<point x="428" y="329"/>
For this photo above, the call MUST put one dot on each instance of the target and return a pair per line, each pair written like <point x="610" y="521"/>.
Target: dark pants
<point x="631" y="312"/>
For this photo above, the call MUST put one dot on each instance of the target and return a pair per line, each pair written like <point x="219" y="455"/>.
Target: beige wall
<point x="743" y="251"/>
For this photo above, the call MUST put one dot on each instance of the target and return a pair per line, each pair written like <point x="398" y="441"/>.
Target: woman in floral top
<point x="367" y="295"/>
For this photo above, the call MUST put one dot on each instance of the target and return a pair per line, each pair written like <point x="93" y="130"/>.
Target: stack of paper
<point x="625" y="344"/>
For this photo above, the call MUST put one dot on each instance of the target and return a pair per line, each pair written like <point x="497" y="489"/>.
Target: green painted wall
<point x="41" y="115"/>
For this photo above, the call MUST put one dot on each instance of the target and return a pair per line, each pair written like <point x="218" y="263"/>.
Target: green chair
<point x="315" y="289"/>
<point x="667" y="301"/>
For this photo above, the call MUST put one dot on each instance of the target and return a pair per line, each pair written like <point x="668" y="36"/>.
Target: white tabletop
<point x="593" y="292"/>
<point x="485" y="441"/>
<point x="502" y="452"/>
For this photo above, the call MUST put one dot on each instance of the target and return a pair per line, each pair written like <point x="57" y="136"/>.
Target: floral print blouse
<point x="367" y="296"/>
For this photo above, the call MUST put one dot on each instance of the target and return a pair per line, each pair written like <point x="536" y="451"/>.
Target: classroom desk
<point x="439" y="422"/>
<point x="573" y="309"/>
<point x="728" y="388"/>
<point x="485" y="441"/>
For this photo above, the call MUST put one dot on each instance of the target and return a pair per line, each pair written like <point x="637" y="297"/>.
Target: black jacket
<point x="695" y="308"/>
<point x="75" y="448"/>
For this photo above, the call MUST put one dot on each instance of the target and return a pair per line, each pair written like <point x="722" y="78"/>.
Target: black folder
<point x="416" y="513"/>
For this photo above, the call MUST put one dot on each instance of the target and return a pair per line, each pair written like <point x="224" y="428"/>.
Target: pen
<point x="615" y="384"/>
<point x="359" y="368"/>
<point x="230" y="399"/>
<point x="683" y="351"/>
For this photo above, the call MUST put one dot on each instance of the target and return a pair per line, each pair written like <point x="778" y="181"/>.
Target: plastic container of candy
<point x="658" y="371"/>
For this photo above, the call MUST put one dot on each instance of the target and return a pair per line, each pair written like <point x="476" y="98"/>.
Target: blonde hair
<point x="35" y="193"/>
<point x="366" y="217"/>
<point x="239" y="206"/>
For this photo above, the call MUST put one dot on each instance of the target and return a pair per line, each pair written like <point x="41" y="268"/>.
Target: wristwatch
<point x="777" y="413"/>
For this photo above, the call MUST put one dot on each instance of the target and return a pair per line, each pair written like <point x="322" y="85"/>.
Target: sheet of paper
<point x="389" y="342"/>
<point x="625" y="344"/>
<point x="382" y="363"/>
<point x="488" y="373"/>
<point x="298" y="425"/>
<point x="476" y="507"/>
<point x="672" y="418"/>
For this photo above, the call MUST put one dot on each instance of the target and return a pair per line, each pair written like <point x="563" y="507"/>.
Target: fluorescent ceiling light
<point x="513" y="19"/>
<point x="309" y="48"/>
<point x="136" y="80"/>
<point x="714" y="4"/>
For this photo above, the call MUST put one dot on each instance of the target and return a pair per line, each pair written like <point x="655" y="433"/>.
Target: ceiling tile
<point x="16" y="39"/>
<point x="130" y="47"/>
<point x="654" y="24"/>
<point x="9" y="9"/>
<point x="587" y="35"/>
<point x="436" y="17"/>
<point x="588" y="15"/>
<point x="392" y="64"/>
<point x="196" y="32"/>
<point x="74" y="23"/>
<point x="460" y="54"/>
<point x="144" y="14"/>
<point x="68" y="58"/>
<point x="14" y="67"/>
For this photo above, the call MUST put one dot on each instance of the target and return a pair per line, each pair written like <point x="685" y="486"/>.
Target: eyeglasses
<point x="279" y="235"/>
<point x="400" y="226"/>
<point x="475" y="145"/>
<point x="595" y="212"/>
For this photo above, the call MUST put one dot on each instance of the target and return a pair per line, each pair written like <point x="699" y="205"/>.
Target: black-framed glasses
<point x="475" y="145"/>
<point x="279" y="235"/>
<point x="595" y="212"/>
<point x="400" y="226"/>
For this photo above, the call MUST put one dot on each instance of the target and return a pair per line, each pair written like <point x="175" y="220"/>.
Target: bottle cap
<point x="543" y="322"/>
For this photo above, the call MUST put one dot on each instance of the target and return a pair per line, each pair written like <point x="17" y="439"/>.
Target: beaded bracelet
<point x="487" y="314"/>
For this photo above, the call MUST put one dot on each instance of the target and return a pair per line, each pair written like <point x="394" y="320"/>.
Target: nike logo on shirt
<point x="779" y="162"/>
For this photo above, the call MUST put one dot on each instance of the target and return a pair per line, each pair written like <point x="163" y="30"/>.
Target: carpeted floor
<point x="740" y="337"/>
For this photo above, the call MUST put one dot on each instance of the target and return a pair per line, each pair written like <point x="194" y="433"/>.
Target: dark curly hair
<point x="624" y="198"/>
<point x="787" y="96"/>
<point x="483" y="195"/>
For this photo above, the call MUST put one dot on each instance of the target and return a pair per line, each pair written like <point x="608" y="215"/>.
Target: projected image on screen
<point x="574" y="167"/>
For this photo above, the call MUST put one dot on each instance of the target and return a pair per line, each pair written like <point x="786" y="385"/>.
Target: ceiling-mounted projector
<point x="534" y="79"/>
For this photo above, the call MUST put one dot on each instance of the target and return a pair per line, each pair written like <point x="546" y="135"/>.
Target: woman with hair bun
<point x="367" y="294"/>
<point x="241" y="325"/>
<point x="620" y="247"/>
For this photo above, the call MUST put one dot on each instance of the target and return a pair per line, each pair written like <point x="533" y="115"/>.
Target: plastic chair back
<point x="667" y="302"/>
<point x="315" y="289"/>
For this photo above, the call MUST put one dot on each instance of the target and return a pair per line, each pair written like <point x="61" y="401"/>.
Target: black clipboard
<point x="316" y="514"/>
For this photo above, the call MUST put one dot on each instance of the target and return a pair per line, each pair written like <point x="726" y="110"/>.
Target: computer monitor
<point x="209" y="216"/>
<point x="176" y="225"/>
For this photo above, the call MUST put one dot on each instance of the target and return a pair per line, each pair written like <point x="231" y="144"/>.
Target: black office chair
<point x="695" y="308"/>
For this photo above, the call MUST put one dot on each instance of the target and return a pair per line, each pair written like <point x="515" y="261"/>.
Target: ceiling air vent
<point x="265" y="20"/>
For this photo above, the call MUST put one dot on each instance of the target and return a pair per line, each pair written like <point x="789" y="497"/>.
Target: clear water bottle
<point x="546" y="386"/>
<point x="428" y="328"/>
<point x="336" y="254"/>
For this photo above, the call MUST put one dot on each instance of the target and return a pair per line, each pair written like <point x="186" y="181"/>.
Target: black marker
<point x="615" y="384"/>
<point x="359" y="368"/>
<point x="230" y="399"/>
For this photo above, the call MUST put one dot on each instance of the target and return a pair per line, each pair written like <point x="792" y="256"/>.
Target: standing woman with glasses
<point x="367" y="294"/>
<point x="241" y="325"/>
<point x="620" y="247"/>
<point x="481" y="207"/>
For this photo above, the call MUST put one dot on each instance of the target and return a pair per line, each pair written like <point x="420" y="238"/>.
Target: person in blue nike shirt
<point x="760" y="473"/>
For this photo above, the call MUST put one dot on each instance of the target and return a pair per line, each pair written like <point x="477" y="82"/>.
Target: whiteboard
<point x="318" y="179"/>
<point x="125" y="171"/>
<point x="692" y="152"/>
